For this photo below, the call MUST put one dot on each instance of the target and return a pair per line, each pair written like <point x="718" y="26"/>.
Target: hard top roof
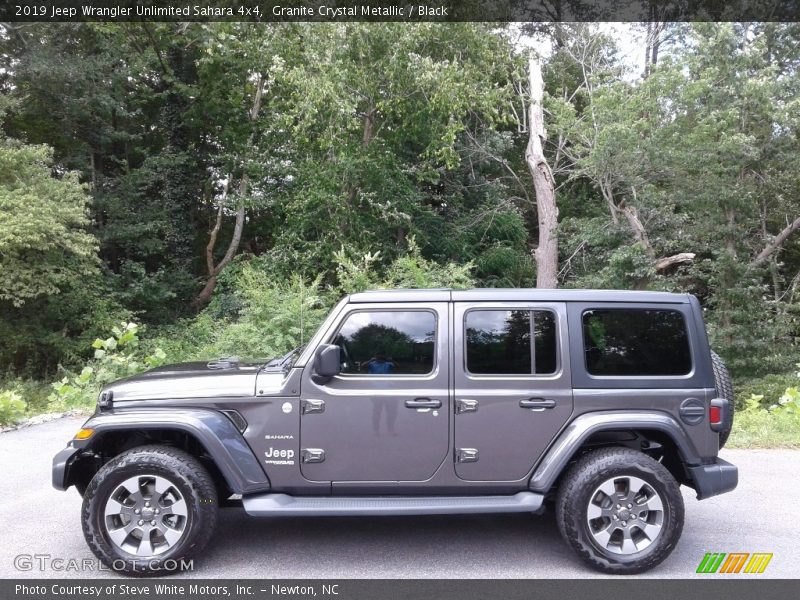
<point x="517" y="295"/>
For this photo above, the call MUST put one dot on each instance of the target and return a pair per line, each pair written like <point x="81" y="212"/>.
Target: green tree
<point x="44" y="243"/>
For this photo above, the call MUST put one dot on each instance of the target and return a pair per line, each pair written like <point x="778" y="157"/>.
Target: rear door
<point x="512" y="386"/>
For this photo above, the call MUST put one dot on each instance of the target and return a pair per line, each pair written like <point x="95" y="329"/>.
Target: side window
<point x="388" y="342"/>
<point x="636" y="342"/>
<point x="498" y="342"/>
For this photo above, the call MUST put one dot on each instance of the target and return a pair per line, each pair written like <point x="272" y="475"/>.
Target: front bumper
<point x="61" y="464"/>
<point x="714" y="479"/>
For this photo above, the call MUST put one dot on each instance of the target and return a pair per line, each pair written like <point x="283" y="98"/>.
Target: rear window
<point x="499" y="342"/>
<point x="636" y="342"/>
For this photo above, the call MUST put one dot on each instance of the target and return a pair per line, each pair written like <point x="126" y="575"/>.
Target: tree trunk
<point x="546" y="254"/>
<point x="635" y="223"/>
<point x="214" y="270"/>
<point x="608" y="196"/>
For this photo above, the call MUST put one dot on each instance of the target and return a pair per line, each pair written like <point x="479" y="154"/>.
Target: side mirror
<point x="327" y="362"/>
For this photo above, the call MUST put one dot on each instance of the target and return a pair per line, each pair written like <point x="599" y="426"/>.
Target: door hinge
<point x="466" y="455"/>
<point x="312" y="455"/>
<point x="466" y="406"/>
<point x="311" y="405"/>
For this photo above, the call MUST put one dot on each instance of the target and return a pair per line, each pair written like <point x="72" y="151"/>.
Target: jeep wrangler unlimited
<point x="411" y="402"/>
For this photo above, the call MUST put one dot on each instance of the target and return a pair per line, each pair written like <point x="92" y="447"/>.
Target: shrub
<point x="114" y="358"/>
<point x="770" y="388"/>
<point x="409" y="271"/>
<point x="254" y="316"/>
<point x="12" y="407"/>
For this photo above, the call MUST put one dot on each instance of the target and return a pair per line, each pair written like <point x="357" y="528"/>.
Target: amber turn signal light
<point x="84" y="434"/>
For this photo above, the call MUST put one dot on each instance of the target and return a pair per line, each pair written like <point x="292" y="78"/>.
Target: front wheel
<point x="149" y="510"/>
<point x="620" y="510"/>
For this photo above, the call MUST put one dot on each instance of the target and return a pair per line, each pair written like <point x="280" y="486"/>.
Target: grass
<point x="763" y="429"/>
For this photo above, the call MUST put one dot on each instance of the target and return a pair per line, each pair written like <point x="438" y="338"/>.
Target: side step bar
<point x="276" y="505"/>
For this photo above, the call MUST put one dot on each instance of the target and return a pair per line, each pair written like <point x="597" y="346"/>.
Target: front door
<point x="513" y="392"/>
<point x="385" y="417"/>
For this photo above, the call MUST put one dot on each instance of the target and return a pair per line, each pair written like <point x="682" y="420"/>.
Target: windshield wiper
<point x="286" y="360"/>
<point x="283" y="360"/>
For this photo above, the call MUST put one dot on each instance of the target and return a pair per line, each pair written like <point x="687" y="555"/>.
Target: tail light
<point x="717" y="413"/>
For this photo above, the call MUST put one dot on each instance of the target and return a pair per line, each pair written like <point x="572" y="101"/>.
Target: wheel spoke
<point x="653" y="503"/>
<point x="178" y="508"/>
<point x="132" y="485"/>
<point x="595" y="512"/>
<point x="132" y="525"/>
<point x="145" y="545"/>
<point x="172" y="535"/>
<point x="628" y="545"/>
<point x="161" y="485"/>
<point x="115" y="508"/>
<point x="603" y="535"/>
<point x="119" y="535"/>
<point x="608" y="488"/>
<point x="650" y="530"/>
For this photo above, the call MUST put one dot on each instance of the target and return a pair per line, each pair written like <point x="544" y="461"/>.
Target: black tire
<point x="189" y="480"/>
<point x="724" y="385"/>
<point x="580" y="487"/>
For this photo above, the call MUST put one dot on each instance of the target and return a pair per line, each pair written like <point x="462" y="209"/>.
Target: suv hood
<point x="214" y="379"/>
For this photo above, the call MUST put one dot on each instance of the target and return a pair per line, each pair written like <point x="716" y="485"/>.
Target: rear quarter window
<point x="636" y="342"/>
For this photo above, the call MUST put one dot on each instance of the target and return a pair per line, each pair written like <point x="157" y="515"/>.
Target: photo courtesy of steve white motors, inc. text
<point x="172" y="589"/>
<point x="209" y="11"/>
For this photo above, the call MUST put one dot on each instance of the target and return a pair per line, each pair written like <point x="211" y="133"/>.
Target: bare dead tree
<point x="546" y="253"/>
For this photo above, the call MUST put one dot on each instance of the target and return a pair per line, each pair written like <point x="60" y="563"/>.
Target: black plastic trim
<point x="581" y="428"/>
<point x="714" y="479"/>
<point x="212" y="429"/>
<point x="61" y="464"/>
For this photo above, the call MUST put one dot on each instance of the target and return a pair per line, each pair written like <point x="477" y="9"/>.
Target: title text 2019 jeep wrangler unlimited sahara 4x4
<point x="424" y="402"/>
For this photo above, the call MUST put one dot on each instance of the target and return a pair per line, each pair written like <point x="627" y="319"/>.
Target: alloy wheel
<point x="625" y="515"/>
<point x="146" y="515"/>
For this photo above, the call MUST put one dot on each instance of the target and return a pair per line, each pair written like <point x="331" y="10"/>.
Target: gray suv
<point x="410" y="402"/>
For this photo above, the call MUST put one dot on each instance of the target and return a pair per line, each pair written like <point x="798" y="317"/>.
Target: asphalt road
<point x="761" y="515"/>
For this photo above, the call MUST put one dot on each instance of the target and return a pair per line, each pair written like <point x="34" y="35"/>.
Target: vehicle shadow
<point x="516" y="545"/>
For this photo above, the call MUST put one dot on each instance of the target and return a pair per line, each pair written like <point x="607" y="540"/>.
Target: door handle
<point x="312" y="455"/>
<point x="538" y="404"/>
<point x="423" y="403"/>
<point x="464" y="405"/>
<point x="310" y="406"/>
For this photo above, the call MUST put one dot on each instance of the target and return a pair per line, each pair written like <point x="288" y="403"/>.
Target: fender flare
<point x="212" y="429"/>
<point x="582" y="427"/>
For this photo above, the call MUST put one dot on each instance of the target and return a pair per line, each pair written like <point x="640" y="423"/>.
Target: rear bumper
<point x="714" y="479"/>
<point x="61" y="464"/>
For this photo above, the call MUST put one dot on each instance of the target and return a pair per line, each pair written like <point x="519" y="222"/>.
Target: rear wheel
<point x="620" y="510"/>
<point x="149" y="510"/>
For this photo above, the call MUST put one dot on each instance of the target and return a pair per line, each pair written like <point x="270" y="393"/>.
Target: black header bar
<point x="399" y="10"/>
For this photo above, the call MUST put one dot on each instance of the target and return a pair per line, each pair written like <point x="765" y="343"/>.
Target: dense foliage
<point x="224" y="184"/>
